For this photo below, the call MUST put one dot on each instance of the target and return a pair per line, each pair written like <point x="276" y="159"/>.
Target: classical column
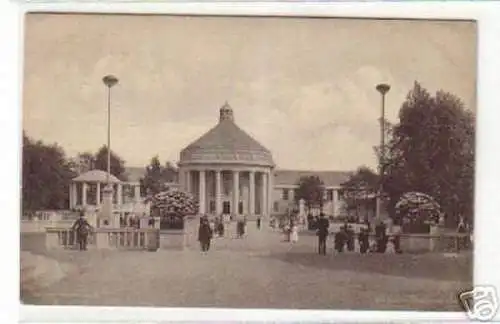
<point x="251" y="198"/>
<point x="335" y="202"/>
<point x="202" y="192"/>
<point x="182" y="179"/>
<point x="236" y="193"/>
<point x="119" y="195"/>
<point x="98" y="194"/>
<point x="269" y="201"/>
<point x="188" y="181"/>
<point x="84" y="194"/>
<point x="263" y="191"/>
<point x="74" y="194"/>
<point x="137" y="192"/>
<point x="71" y="201"/>
<point x="218" y="201"/>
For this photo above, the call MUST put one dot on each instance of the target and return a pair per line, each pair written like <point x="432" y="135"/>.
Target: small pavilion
<point x="85" y="190"/>
<point x="228" y="171"/>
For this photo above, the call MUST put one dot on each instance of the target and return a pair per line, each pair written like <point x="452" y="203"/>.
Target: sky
<point x="304" y="88"/>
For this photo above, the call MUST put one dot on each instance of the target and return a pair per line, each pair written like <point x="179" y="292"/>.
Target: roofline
<point x="276" y="169"/>
<point x="313" y="171"/>
<point x="227" y="162"/>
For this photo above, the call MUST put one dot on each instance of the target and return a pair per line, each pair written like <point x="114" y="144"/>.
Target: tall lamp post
<point x="382" y="88"/>
<point x="109" y="81"/>
<point x="107" y="206"/>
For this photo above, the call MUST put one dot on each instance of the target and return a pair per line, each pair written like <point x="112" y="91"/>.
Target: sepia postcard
<point x="249" y="162"/>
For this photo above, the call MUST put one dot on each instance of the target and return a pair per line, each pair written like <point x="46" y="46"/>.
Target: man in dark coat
<point x="381" y="237"/>
<point x="205" y="234"/>
<point x="258" y="223"/>
<point x="323" y="226"/>
<point x="350" y="238"/>
<point x="220" y="228"/>
<point x="82" y="229"/>
<point x="340" y="239"/>
<point x="364" y="241"/>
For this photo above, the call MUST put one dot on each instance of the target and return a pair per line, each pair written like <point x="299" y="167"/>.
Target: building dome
<point x="96" y="176"/>
<point x="226" y="143"/>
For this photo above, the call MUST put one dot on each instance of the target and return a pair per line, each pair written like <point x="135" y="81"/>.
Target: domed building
<point x="228" y="171"/>
<point x="231" y="173"/>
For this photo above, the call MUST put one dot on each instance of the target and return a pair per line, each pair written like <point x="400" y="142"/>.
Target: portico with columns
<point x="233" y="190"/>
<point x="228" y="171"/>
<point x="86" y="190"/>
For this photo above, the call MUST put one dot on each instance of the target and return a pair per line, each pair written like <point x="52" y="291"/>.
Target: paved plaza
<point x="259" y="271"/>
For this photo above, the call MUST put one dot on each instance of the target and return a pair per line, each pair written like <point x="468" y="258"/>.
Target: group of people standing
<point x="291" y="232"/>
<point x="346" y="236"/>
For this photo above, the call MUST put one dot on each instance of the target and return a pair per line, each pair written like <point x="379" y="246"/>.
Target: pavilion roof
<point x="96" y="176"/>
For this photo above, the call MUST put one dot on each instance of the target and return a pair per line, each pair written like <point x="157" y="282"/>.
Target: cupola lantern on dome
<point x="226" y="113"/>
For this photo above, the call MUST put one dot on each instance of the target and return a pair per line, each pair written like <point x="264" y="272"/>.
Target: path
<point x="258" y="271"/>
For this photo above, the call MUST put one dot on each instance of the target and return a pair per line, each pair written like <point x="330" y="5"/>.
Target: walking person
<point x="205" y="234"/>
<point x="462" y="230"/>
<point x="350" y="236"/>
<point x="240" y="228"/>
<point x="82" y="229"/>
<point x="340" y="239"/>
<point x="258" y="222"/>
<point x="364" y="240"/>
<point x="220" y="229"/>
<point x="323" y="226"/>
<point x="244" y="225"/>
<point x="294" y="232"/>
<point x="381" y="237"/>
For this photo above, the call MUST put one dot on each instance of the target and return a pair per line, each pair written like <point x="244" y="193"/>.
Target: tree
<point x="359" y="191"/>
<point x="432" y="151"/>
<point x="154" y="179"/>
<point x="117" y="165"/>
<point x="310" y="188"/>
<point x="85" y="162"/>
<point x="46" y="175"/>
<point x="171" y="172"/>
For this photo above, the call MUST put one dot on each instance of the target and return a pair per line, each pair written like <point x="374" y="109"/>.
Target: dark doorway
<point x="226" y="208"/>
<point x="240" y="208"/>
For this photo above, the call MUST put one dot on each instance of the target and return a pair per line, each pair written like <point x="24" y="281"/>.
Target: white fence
<point x="103" y="238"/>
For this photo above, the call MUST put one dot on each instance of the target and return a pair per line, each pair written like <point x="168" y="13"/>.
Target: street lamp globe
<point x="110" y="80"/>
<point x="383" y="88"/>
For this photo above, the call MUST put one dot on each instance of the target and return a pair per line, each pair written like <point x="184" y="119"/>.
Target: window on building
<point x="276" y="207"/>
<point x="329" y="194"/>
<point x="285" y="194"/>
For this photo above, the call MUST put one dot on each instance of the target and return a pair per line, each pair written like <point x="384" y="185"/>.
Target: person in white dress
<point x="294" y="235"/>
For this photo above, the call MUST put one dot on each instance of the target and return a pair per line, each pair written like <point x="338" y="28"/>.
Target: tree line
<point x="431" y="149"/>
<point x="47" y="173"/>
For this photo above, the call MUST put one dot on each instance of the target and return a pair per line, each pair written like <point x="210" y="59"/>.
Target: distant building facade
<point x="231" y="173"/>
